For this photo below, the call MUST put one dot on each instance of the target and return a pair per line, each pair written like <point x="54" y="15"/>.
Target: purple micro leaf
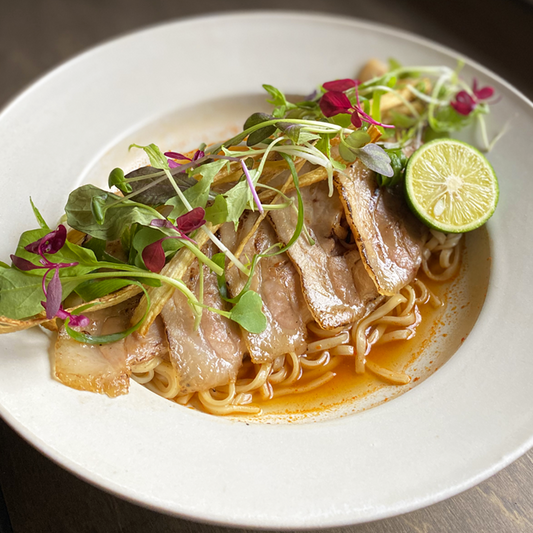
<point x="161" y="223"/>
<point x="333" y="103"/>
<point x="172" y="163"/>
<point x="50" y="243"/>
<point x="192" y="220"/>
<point x="154" y="256"/>
<point x="76" y="321"/>
<point x="54" y="295"/>
<point x="251" y="185"/>
<point x="339" y="85"/>
<point x="177" y="155"/>
<point x="198" y="155"/>
<point x="24" y="264"/>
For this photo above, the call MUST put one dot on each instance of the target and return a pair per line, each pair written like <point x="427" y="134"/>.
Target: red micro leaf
<point x="356" y="120"/>
<point x="339" y="85"/>
<point x="192" y="220"/>
<point x="464" y="104"/>
<point x="484" y="93"/>
<point x="332" y="103"/>
<point x="154" y="256"/>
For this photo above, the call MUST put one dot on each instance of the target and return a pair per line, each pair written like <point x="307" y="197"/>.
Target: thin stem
<point x="198" y="317"/>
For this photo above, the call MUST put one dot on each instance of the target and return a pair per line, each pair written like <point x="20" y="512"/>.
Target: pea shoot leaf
<point x="248" y="312"/>
<point x="21" y="293"/>
<point x="217" y="213"/>
<point x="157" y="158"/>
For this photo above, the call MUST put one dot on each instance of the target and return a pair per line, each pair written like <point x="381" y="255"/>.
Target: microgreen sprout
<point x="466" y="102"/>
<point x="153" y="255"/>
<point x="50" y="244"/>
<point x="335" y="101"/>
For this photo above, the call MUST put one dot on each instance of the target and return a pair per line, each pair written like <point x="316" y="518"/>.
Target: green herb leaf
<point x="217" y="213"/>
<point x="80" y="215"/>
<point x="347" y="154"/>
<point x="39" y="217"/>
<point x="398" y="164"/>
<point x="117" y="179"/>
<point x="237" y="200"/>
<point x="220" y="260"/>
<point x="198" y="194"/>
<point x="92" y="290"/>
<point x="357" y="139"/>
<point x="400" y="120"/>
<point x="376" y="159"/>
<point x="21" y="293"/>
<point x="157" y="158"/>
<point x="278" y="98"/>
<point x="248" y="312"/>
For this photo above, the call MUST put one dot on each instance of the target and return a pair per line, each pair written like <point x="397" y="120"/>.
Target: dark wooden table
<point x="36" y="35"/>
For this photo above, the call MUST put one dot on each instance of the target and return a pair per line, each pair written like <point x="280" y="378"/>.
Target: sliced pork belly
<point x="276" y="281"/>
<point x="210" y="355"/>
<point x="141" y="349"/>
<point x="331" y="280"/>
<point x="389" y="237"/>
<point x="106" y="368"/>
<point x="92" y="367"/>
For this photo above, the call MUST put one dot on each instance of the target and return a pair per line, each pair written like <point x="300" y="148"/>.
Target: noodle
<point x="395" y="319"/>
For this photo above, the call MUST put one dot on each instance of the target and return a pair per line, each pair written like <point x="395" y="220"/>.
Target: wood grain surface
<point x="35" y="36"/>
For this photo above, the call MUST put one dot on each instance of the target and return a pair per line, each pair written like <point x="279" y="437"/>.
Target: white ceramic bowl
<point x="468" y="420"/>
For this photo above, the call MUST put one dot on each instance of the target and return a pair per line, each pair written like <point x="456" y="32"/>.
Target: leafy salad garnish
<point x="162" y="214"/>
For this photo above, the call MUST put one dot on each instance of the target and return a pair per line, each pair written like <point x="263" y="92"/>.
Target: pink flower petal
<point x="54" y="295"/>
<point x="339" y="85"/>
<point x="332" y="103"/>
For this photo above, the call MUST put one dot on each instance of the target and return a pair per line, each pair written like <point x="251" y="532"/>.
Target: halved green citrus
<point x="451" y="186"/>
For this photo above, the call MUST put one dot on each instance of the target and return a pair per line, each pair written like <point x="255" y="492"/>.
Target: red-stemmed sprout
<point x="176" y="155"/>
<point x="153" y="255"/>
<point x="51" y="243"/>
<point x="465" y="102"/>
<point x="335" y="102"/>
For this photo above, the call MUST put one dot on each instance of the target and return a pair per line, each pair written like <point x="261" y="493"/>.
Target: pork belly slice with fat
<point x="276" y="281"/>
<point x="388" y="235"/>
<point x="336" y="289"/>
<point x="210" y="355"/>
<point x="106" y="368"/>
